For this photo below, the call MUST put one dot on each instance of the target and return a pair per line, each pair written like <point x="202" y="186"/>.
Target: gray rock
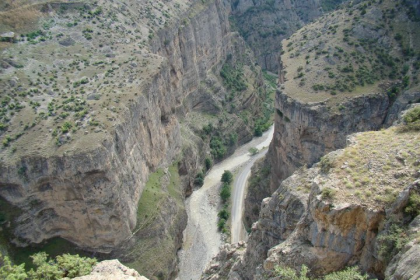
<point x="68" y="41"/>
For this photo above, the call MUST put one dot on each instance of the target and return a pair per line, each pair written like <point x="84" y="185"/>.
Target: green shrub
<point x="223" y="214"/>
<point x="208" y="163"/>
<point x="351" y="273"/>
<point x="253" y="151"/>
<point x="227" y="177"/>
<point x="8" y="271"/>
<point x="217" y="148"/>
<point x="65" y="265"/>
<point x="288" y="273"/>
<point x="66" y="127"/>
<point x="225" y="192"/>
<point x="327" y="193"/>
<point x="326" y="164"/>
<point x="412" y="120"/>
<point x="413" y="206"/>
<point x="392" y="241"/>
<point x="199" y="179"/>
<point x="221" y="224"/>
<point x="233" y="78"/>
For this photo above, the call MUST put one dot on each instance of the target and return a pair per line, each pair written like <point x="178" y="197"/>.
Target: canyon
<point x="113" y="110"/>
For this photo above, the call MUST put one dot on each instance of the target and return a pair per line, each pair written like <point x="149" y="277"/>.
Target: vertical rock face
<point x="89" y="195"/>
<point x="305" y="132"/>
<point x="264" y="24"/>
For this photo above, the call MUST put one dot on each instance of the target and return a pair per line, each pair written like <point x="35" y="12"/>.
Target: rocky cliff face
<point x="86" y="188"/>
<point x="113" y="269"/>
<point x="264" y="24"/>
<point x="328" y="217"/>
<point x="332" y="87"/>
<point x="305" y="132"/>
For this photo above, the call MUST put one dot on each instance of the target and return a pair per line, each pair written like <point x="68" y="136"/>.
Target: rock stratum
<point x="337" y="78"/>
<point x="111" y="270"/>
<point x="102" y="94"/>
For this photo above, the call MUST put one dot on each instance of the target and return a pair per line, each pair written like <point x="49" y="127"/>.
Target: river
<point x="201" y="237"/>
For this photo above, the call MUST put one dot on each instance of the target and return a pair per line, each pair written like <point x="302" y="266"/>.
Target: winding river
<point x="201" y="238"/>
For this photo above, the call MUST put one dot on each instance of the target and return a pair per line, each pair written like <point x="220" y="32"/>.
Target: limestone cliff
<point x="341" y="212"/>
<point x="264" y="24"/>
<point x="350" y="71"/>
<point x="110" y="270"/>
<point x="78" y="147"/>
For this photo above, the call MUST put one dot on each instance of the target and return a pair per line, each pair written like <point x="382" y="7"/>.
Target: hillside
<point x="358" y="206"/>
<point x="367" y="48"/>
<point x="265" y="23"/>
<point x="340" y="201"/>
<point x="98" y="100"/>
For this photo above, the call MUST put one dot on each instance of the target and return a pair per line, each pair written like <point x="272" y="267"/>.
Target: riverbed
<point x="201" y="237"/>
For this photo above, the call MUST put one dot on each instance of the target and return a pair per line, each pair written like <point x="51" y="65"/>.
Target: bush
<point x="327" y="193"/>
<point x="227" y="177"/>
<point x="221" y="224"/>
<point x="253" y="151"/>
<point x="392" y="241"/>
<point x="258" y="131"/>
<point x="225" y="192"/>
<point x="8" y="271"/>
<point x="223" y="214"/>
<point x="208" y="163"/>
<point x="326" y="164"/>
<point x="65" y="265"/>
<point x="351" y="273"/>
<point x="412" y="120"/>
<point x="233" y="78"/>
<point x="288" y="273"/>
<point x="199" y="179"/>
<point x="413" y="205"/>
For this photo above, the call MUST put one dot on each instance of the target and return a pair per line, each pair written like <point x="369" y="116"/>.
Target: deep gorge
<point x="152" y="140"/>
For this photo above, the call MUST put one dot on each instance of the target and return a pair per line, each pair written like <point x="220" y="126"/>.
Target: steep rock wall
<point x="305" y="132"/>
<point x="90" y="196"/>
<point x="264" y="24"/>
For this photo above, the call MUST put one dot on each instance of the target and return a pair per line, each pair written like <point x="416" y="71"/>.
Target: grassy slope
<point x="366" y="48"/>
<point x="152" y="252"/>
<point x="375" y="168"/>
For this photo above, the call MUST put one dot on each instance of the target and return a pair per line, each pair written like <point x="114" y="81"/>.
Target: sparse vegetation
<point x="326" y="164"/>
<point x="392" y="241"/>
<point x="66" y="265"/>
<point x="411" y="120"/>
<point x="233" y="77"/>
<point x="327" y="193"/>
<point x="350" y="273"/>
<point x="253" y="151"/>
<point x="413" y="206"/>
<point x="224" y="214"/>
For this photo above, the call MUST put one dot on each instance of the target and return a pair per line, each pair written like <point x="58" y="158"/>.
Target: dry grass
<point x="17" y="16"/>
<point x="324" y="60"/>
<point x="376" y="167"/>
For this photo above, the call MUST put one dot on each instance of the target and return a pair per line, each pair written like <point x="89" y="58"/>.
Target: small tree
<point x="225" y="192"/>
<point x="227" y="177"/>
<point x="199" y="179"/>
<point x="253" y="151"/>
<point x="208" y="162"/>
<point x="8" y="271"/>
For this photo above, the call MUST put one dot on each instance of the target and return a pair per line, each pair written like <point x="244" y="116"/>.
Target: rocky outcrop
<point x="87" y="191"/>
<point x="224" y="265"/>
<point x="321" y="218"/>
<point x="258" y="189"/>
<point x="306" y="131"/>
<point x="406" y="265"/>
<point x="110" y="270"/>
<point x="264" y="24"/>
